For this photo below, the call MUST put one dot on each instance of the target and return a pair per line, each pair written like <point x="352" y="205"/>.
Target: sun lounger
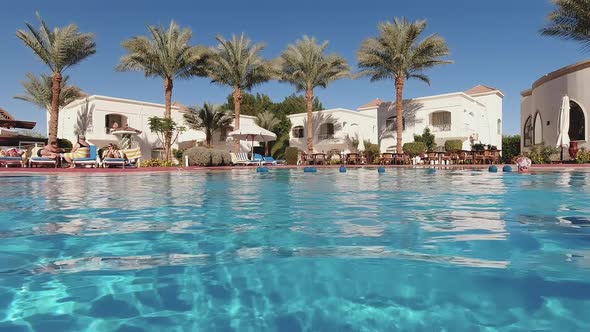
<point x="272" y="161"/>
<point x="5" y="161"/>
<point x="35" y="160"/>
<point x="241" y="158"/>
<point x="91" y="160"/>
<point x="132" y="159"/>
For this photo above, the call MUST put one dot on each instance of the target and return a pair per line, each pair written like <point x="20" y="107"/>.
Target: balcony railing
<point x="325" y="136"/>
<point x="442" y="127"/>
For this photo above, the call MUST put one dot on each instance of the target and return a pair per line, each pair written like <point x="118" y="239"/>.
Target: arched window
<point x="441" y="121"/>
<point x="577" y="130"/>
<point x="538" y="129"/>
<point x="297" y="132"/>
<point x="114" y="121"/>
<point x="527" y="133"/>
<point x="326" y="131"/>
<point x="391" y="123"/>
<point x="499" y="127"/>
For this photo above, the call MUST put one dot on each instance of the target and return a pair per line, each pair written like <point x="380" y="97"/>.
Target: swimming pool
<point x="293" y="251"/>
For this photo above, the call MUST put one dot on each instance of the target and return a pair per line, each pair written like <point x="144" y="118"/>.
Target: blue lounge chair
<point x="12" y="161"/>
<point x="89" y="161"/>
<point x="273" y="161"/>
<point x="35" y="160"/>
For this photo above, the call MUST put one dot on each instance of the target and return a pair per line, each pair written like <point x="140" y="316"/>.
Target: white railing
<point x="442" y="127"/>
<point x="325" y="136"/>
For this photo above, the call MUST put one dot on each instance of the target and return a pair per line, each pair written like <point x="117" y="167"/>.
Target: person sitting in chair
<point x="80" y="150"/>
<point x="111" y="151"/>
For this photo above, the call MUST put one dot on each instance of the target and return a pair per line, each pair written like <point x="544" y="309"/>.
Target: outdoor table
<point x="315" y="156"/>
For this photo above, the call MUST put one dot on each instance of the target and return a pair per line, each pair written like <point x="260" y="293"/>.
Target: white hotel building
<point x="473" y="116"/>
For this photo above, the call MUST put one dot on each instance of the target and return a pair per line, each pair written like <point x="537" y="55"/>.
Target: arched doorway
<point x="577" y="131"/>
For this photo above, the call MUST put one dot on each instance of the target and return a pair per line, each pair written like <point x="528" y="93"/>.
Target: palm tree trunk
<point x="237" y="104"/>
<point x="308" y="106"/>
<point x="399" y="90"/>
<point x="56" y="79"/>
<point x="168" y="85"/>
<point x="208" y="139"/>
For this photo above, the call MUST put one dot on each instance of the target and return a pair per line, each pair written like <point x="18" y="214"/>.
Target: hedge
<point x="201" y="156"/>
<point x="291" y="155"/>
<point x="414" y="148"/>
<point x="453" y="145"/>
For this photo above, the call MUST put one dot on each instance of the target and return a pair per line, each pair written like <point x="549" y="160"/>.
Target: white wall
<point x="546" y="98"/>
<point x="348" y="126"/>
<point x="137" y="113"/>
<point x="468" y="116"/>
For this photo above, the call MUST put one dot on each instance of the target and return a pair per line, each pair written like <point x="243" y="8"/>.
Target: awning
<point x="17" y="124"/>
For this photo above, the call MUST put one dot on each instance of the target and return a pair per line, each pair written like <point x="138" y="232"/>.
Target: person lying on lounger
<point x="50" y="151"/>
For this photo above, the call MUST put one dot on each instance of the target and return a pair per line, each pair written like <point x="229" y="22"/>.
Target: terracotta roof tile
<point x="373" y="103"/>
<point x="480" y="89"/>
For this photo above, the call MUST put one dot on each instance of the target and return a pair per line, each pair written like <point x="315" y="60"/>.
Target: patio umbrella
<point x="361" y="146"/>
<point x="564" y="124"/>
<point x="253" y="133"/>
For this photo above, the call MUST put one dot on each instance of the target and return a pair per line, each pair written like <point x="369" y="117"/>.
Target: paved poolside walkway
<point x="24" y="171"/>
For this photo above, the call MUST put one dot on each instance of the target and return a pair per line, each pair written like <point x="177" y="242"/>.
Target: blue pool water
<point x="292" y="251"/>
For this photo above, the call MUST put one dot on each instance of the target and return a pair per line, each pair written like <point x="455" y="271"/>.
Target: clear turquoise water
<point x="293" y="251"/>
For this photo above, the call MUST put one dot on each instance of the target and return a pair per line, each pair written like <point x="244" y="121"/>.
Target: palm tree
<point x="571" y="20"/>
<point x="166" y="53"/>
<point x="238" y="64"/>
<point x="397" y="54"/>
<point x="38" y="91"/>
<point x="306" y="66"/>
<point x="209" y="118"/>
<point x="59" y="49"/>
<point x="268" y="121"/>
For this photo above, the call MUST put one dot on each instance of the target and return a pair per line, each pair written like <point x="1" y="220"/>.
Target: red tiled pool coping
<point x="23" y="171"/>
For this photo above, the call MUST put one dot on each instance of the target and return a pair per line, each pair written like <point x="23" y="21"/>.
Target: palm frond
<point x="37" y="91"/>
<point x="570" y="21"/>
<point x="267" y="120"/>
<point x="305" y="65"/>
<point x="236" y="62"/>
<point x="58" y="48"/>
<point x="165" y="53"/>
<point x="208" y="118"/>
<point x="397" y="53"/>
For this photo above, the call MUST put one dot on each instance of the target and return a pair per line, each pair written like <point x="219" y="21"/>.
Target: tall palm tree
<point x="209" y="118"/>
<point x="237" y="63"/>
<point x="306" y="66"/>
<point x="59" y="49"/>
<point x="165" y="53"/>
<point x="397" y="54"/>
<point x="38" y="91"/>
<point x="268" y="121"/>
<point x="571" y="20"/>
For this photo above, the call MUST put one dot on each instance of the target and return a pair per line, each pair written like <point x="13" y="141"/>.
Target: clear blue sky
<point x="494" y="43"/>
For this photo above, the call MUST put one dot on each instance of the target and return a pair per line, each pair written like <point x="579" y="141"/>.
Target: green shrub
<point x="510" y="147"/>
<point x="414" y="148"/>
<point x="156" y="163"/>
<point x="291" y="155"/>
<point x="453" y="145"/>
<point x="583" y="156"/>
<point x="427" y="138"/>
<point x="220" y="157"/>
<point x="200" y="156"/>
<point x="542" y="154"/>
<point x="64" y="143"/>
<point x="177" y="154"/>
<point x="371" y="152"/>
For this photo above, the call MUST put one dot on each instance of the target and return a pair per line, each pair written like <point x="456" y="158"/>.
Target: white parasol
<point x="564" y="123"/>
<point x="253" y="133"/>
